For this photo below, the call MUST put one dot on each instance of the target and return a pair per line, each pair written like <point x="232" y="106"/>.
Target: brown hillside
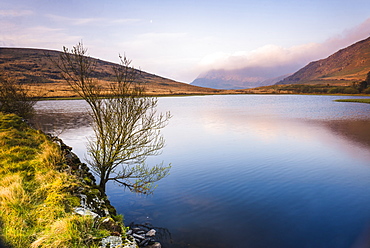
<point x="343" y="67"/>
<point x="34" y="66"/>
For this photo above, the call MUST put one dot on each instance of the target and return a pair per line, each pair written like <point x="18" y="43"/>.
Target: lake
<point x="248" y="170"/>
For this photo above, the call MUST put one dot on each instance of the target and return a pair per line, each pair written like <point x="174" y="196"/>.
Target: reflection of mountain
<point x="355" y="130"/>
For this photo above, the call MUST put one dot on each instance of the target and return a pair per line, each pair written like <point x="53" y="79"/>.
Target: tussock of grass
<point x="364" y="100"/>
<point x="35" y="199"/>
<point x="76" y="230"/>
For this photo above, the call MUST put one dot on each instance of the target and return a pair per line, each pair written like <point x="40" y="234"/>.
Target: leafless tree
<point x="125" y="122"/>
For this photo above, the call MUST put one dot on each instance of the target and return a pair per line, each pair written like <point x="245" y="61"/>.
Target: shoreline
<point x="49" y="198"/>
<point x="121" y="236"/>
<point x="185" y="95"/>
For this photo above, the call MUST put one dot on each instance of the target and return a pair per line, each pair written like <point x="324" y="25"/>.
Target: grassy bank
<point x="365" y="100"/>
<point x="36" y="203"/>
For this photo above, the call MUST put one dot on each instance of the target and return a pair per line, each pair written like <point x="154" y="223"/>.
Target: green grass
<point x="35" y="198"/>
<point x="364" y="100"/>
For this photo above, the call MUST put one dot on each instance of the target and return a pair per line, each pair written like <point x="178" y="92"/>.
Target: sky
<point x="180" y="39"/>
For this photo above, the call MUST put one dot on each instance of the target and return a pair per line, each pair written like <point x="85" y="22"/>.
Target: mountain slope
<point x="345" y="66"/>
<point x="34" y="66"/>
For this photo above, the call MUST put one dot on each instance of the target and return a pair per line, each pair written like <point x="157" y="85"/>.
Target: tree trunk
<point x="102" y="184"/>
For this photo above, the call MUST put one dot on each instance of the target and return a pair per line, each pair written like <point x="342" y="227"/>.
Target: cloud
<point x="15" y="13"/>
<point x="283" y="60"/>
<point x="89" y="21"/>
<point x="266" y="56"/>
<point x="124" y="21"/>
<point x="35" y="37"/>
<point x="350" y="36"/>
<point x="159" y="53"/>
<point x="73" y="21"/>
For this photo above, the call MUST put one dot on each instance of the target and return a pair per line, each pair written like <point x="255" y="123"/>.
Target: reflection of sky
<point x="260" y="123"/>
<point x="78" y="139"/>
<point x="253" y="121"/>
<point x="272" y="131"/>
<point x="274" y="167"/>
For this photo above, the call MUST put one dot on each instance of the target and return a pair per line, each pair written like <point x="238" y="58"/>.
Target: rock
<point x="155" y="245"/>
<point x="151" y="233"/>
<point x="139" y="237"/>
<point x="145" y="242"/>
<point x="130" y="243"/>
<point x="85" y="212"/>
<point x="110" y="225"/>
<point x="112" y="241"/>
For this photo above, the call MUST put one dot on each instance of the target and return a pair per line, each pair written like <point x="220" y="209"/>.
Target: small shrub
<point x="15" y="98"/>
<point x="333" y="91"/>
<point x="367" y="90"/>
<point x="351" y="90"/>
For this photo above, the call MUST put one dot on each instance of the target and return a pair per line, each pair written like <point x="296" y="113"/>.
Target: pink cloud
<point x="274" y="60"/>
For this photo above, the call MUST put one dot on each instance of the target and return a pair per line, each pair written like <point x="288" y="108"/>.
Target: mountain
<point x="343" y="67"/>
<point x="225" y="83"/>
<point x="35" y="66"/>
<point x="239" y="79"/>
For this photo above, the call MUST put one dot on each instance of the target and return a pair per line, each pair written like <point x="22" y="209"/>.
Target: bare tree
<point x="16" y="97"/>
<point x="125" y="122"/>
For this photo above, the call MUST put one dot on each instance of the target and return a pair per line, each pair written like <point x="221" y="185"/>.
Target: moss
<point x="87" y="180"/>
<point x="95" y="192"/>
<point x="118" y="218"/>
<point x="73" y="201"/>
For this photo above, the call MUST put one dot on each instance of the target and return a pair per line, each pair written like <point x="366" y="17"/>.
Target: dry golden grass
<point x="63" y="90"/>
<point x="36" y="67"/>
<point x="35" y="198"/>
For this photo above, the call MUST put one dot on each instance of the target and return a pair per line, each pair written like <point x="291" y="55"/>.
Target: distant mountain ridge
<point x="343" y="67"/>
<point x="239" y="79"/>
<point x="347" y="65"/>
<point x="27" y="65"/>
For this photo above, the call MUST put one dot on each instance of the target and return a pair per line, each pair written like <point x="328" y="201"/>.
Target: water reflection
<point x="58" y="116"/>
<point x="51" y="122"/>
<point x="353" y="130"/>
<point x="254" y="171"/>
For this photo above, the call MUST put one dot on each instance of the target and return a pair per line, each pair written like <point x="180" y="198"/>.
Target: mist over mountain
<point x="243" y="78"/>
<point x="265" y="65"/>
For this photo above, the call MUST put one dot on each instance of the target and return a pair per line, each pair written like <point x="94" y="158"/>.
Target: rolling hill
<point x="341" y="68"/>
<point x="35" y="66"/>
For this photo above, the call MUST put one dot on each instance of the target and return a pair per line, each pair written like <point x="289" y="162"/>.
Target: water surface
<point x="249" y="170"/>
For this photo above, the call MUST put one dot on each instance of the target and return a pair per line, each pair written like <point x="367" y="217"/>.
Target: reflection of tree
<point x="56" y="123"/>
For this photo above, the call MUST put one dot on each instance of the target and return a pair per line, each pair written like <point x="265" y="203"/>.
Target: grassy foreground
<point x="365" y="100"/>
<point x="35" y="198"/>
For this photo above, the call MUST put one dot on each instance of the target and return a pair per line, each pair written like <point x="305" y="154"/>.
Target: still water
<point x="275" y="171"/>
